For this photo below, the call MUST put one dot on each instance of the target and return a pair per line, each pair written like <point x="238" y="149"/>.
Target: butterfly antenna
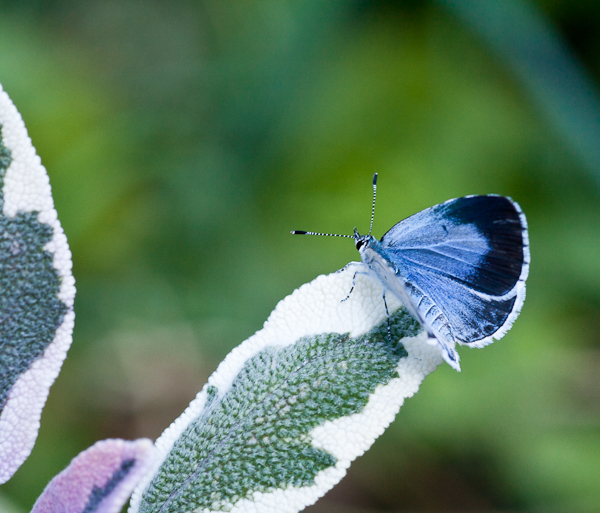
<point x="302" y="232"/>
<point x="374" y="196"/>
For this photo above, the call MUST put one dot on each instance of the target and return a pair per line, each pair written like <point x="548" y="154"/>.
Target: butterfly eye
<point x="359" y="244"/>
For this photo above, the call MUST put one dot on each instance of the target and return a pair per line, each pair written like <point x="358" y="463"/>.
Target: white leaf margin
<point x="26" y="189"/>
<point x="316" y="308"/>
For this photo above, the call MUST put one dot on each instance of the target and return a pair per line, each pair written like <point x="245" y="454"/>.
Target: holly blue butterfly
<point x="458" y="267"/>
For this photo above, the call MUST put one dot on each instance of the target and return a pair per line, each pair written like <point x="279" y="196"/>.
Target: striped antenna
<point x="302" y="232"/>
<point x="374" y="196"/>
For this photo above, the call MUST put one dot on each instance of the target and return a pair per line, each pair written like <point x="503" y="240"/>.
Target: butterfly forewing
<point x="470" y="256"/>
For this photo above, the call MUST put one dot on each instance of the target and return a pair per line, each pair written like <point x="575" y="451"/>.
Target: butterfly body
<point x="391" y="276"/>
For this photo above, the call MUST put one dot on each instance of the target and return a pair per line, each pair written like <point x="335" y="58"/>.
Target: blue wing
<point x="470" y="258"/>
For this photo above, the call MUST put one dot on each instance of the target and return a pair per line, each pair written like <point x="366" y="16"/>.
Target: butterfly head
<point x="361" y="240"/>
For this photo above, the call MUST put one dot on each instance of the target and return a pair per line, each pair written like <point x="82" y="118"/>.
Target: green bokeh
<point x="185" y="140"/>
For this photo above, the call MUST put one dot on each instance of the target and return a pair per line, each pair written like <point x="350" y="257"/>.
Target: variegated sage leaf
<point x="37" y="291"/>
<point x="98" y="480"/>
<point x="287" y="411"/>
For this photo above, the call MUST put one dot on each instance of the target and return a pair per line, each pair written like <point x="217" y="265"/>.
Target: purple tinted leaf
<point x="98" y="480"/>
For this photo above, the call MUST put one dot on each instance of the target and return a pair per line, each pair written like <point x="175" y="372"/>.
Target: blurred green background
<point x="185" y="139"/>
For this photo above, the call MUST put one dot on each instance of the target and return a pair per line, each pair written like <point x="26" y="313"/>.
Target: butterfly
<point x="458" y="267"/>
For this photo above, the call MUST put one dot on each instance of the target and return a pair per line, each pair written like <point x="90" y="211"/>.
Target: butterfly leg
<point x="388" y="318"/>
<point x="353" y="284"/>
